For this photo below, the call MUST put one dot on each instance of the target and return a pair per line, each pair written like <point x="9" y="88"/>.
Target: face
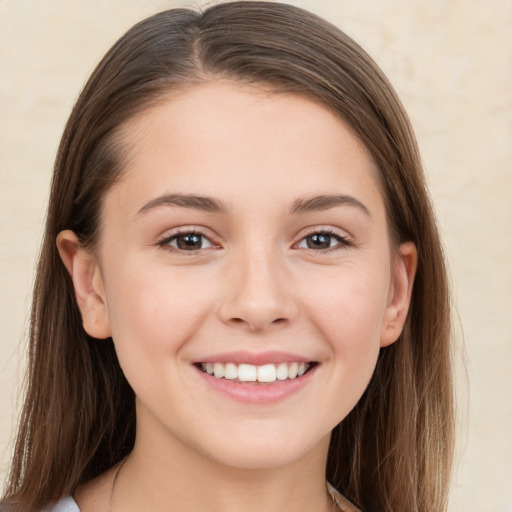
<point x="245" y="273"/>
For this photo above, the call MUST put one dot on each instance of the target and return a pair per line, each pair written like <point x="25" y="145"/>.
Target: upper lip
<point x="254" y="358"/>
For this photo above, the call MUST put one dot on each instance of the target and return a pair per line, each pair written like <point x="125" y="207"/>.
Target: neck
<point x="172" y="476"/>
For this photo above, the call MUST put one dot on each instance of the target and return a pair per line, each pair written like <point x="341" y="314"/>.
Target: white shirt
<point x="63" y="505"/>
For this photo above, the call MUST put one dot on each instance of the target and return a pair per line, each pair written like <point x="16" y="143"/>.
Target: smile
<point x="264" y="374"/>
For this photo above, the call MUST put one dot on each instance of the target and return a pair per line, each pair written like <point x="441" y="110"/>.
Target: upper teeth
<point x="252" y="373"/>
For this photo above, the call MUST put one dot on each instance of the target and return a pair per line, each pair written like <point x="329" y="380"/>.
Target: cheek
<point x="348" y="309"/>
<point x="153" y="314"/>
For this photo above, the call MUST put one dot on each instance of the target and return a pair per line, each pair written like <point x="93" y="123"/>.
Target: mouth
<point x="261" y="374"/>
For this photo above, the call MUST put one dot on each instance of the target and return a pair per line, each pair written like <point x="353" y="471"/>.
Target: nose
<point x="258" y="293"/>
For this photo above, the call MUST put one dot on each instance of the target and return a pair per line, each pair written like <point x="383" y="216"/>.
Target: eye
<point x="322" y="240"/>
<point x="187" y="241"/>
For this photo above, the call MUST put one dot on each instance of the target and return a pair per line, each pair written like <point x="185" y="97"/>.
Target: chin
<point x="264" y="452"/>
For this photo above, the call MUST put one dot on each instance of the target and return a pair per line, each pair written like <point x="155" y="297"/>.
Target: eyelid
<point x="164" y="241"/>
<point x="343" y="237"/>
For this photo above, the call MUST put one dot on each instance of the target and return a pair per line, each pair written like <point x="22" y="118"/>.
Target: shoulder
<point x="63" y="505"/>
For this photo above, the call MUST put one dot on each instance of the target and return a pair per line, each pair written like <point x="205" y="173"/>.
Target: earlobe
<point x="87" y="280"/>
<point x="402" y="280"/>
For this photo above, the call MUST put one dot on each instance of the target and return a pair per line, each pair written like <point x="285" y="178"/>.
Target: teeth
<point x="267" y="373"/>
<point x="247" y="373"/>
<point x="250" y="373"/>
<point x="282" y="371"/>
<point x="218" y="370"/>
<point x="231" y="371"/>
<point x="293" y="370"/>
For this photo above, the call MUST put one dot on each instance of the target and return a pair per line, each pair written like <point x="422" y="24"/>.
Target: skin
<point x="256" y="282"/>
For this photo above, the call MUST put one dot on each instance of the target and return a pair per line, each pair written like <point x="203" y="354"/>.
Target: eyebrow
<point x="207" y="204"/>
<point x="325" y="202"/>
<point x="211" y="205"/>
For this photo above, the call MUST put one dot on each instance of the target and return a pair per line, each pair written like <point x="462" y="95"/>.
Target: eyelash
<point x="165" y="243"/>
<point x="343" y="241"/>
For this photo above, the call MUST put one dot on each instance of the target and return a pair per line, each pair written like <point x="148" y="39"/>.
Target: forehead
<point x="223" y="138"/>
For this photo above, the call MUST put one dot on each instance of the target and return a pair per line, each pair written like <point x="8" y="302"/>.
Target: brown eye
<point x="321" y="241"/>
<point x="189" y="242"/>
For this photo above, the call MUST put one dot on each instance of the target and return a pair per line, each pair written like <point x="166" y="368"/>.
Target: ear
<point x="403" y="271"/>
<point x="88" y="284"/>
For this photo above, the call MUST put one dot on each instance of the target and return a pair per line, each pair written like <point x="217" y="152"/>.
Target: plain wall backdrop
<point x="451" y="63"/>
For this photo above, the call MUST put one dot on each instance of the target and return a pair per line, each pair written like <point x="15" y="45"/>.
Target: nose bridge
<point x="256" y="294"/>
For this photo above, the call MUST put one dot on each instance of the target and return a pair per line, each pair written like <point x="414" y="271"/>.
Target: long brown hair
<point x="393" y="452"/>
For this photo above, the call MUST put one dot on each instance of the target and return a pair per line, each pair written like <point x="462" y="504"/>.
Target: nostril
<point x="258" y="326"/>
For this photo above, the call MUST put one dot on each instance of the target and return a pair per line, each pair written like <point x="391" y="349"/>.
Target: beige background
<point x="451" y="62"/>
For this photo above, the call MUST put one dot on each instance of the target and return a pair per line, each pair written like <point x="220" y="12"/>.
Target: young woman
<point x="241" y="301"/>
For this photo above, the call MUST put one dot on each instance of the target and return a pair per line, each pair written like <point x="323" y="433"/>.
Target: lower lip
<point x="257" y="393"/>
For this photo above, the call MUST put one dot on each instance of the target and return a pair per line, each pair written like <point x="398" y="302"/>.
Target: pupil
<point x="319" y="241"/>
<point x="189" y="241"/>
